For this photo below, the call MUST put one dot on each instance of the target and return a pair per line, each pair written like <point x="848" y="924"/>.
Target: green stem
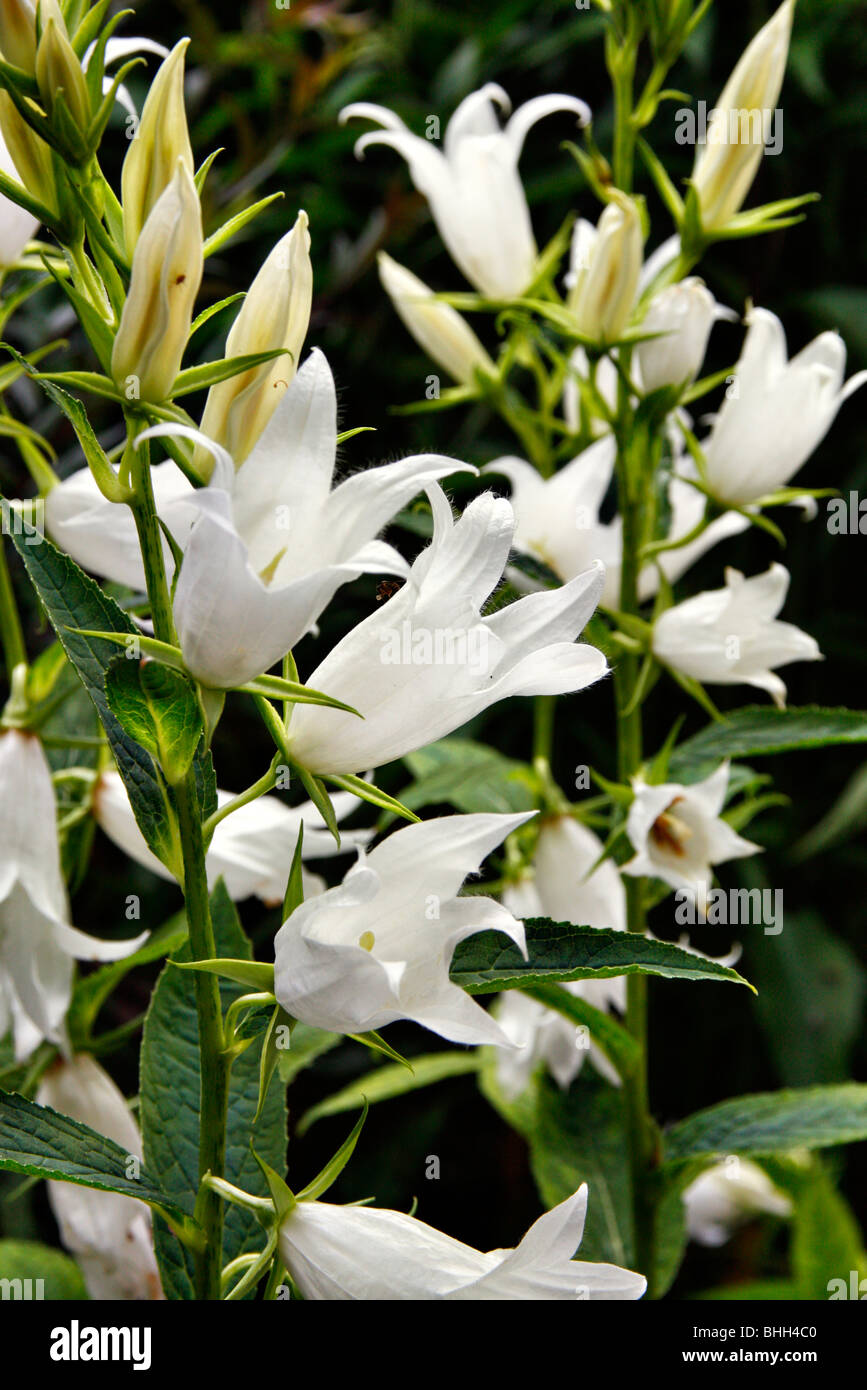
<point x="213" y="1061"/>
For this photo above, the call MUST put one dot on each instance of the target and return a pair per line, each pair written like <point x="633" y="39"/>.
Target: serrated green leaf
<point x="158" y="708"/>
<point x="170" y="1093"/>
<point x="815" y="1117"/>
<point x="91" y="991"/>
<point x="757" y="731"/>
<point x="468" y="776"/>
<point x="559" y="951"/>
<point x="38" y="1140"/>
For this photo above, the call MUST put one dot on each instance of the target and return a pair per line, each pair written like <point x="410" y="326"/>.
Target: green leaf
<point x="468" y="776"/>
<point x="815" y="1117"/>
<point x="170" y="1085"/>
<point x="75" y="603"/>
<point x="388" y="1082"/>
<point x="335" y="1166"/>
<point x="348" y="782"/>
<point x="252" y="974"/>
<point x="235" y="224"/>
<point x="209" y="373"/>
<point x="158" y="708"/>
<point x="559" y="951"/>
<point x="54" y="1274"/>
<point x="38" y="1140"/>
<point x="757" y="731"/>
<point x="826" y="1241"/>
<point x="293" y="692"/>
<point x="846" y="818"/>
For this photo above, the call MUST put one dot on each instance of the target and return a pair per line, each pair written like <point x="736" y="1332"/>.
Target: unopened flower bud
<point x="604" y="292"/>
<point x="724" y="166"/>
<point x="275" y="314"/>
<point x="162" y="138"/>
<point x="18" y="34"/>
<point x="166" y="274"/>
<point x="683" y="314"/>
<point x="58" y="70"/>
<point x="437" y="328"/>
<point x="30" y="155"/>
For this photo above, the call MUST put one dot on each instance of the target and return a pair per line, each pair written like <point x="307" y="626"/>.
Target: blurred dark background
<point x="266" y="84"/>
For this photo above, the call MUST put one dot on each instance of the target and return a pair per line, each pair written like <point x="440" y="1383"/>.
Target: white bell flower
<point x="684" y="315"/>
<point x="678" y="834"/>
<point x="251" y="849"/>
<point x="776" y="412"/>
<point x="561" y="890"/>
<point x="17" y="226"/>
<point x="437" y="328"/>
<point x="273" y="542"/>
<point x="109" y="1234"/>
<point x="37" y="943"/>
<point x="472" y="185"/>
<point x="730" y="636"/>
<point x="369" y="1253"/>
<point x="427" y="661"/>
<point x="728" y="1195"/>
<point x="379" y="946"/>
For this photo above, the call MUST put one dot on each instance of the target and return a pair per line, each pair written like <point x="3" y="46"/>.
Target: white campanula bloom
<point x="726" y="1196"/>
<point x="563" y="889"/>
<point x="37" y="943"/>
<point x="437" y="328"/>
<point x="472" y="184"/>
<point x="251" y="849"/>
<point x="678" y="833"/>
<point x="368" y="1253"/>
<point x="684" y="315"/>
<point x="379" y="946"/>
<point x="273" y="542"/>
<point x="427" y="661"/>
<point x="108" y="1233"/>
<point x="731" y="636"/>
<point x="776" y="412"/>
<point x="557" y="520"/>
<point x="726" y="164"/>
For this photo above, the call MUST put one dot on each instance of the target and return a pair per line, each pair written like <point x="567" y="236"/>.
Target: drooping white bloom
<point x="426" y="661"/>
<point x="251" y="849"/>
<point x="728" y="1195"/>
<point x="368" y="1253"/>
<point x="378" y="947"/>
<point x="726" y="164"/>
<point x="437" y="328"/>
<point x="684" y="314"/>
<point x="17" y="226"/>
<point x="606" y="265"/>
<point x="101" y="536"/>
<point x="730" y="636"/>
<point x="472" y="185"/>
<point x="273" y="542"/>
<point x="775" y="412"/>
<point x="561" y="890"/>
<point x="109" y="1234"/>
<point x="558" y="520"/>
<point x="37" y="943"/>
<point x="678" y="834"/>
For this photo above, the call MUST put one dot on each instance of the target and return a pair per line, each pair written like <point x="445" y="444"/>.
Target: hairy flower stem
<point x="213" y="1061"/>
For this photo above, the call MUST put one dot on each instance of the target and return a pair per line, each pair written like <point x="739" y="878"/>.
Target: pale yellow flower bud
<point x="58" y="70"/>
<point x="166" y="274"/>
<point x="726" y="164"/>
<point x="437" y="328"/>
<point x="162" y="138"/>
<point x="18" y="34"/>
<point x="275" y="314"/>
<point x="30" y="155"/>
<point x="604" y="291"/>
